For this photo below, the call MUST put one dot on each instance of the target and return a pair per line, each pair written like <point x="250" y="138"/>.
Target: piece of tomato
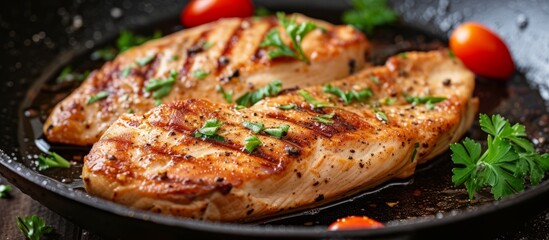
<point x="482" y="51"/>
<point x="198" y="12"/>
<point x="354" y="222"/>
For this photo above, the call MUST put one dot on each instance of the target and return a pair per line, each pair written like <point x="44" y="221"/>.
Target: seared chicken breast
<point x="225" y="53"/>
<point x="327" y="147"/>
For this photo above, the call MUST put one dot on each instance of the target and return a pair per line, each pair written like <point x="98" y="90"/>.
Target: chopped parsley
<point x="161" y="87"/>
<point x="209" y="129"/>
<point x="381" y="115"/>
<point x="278" y="132"/>
<point x="52" y="160"/>
<point x="67" y="75"/>
<point x="348" y="96"/>
<point x="105" y="54"/>
<point x="145" y="60"/>
<point x="250" y="98"/>
<point x="311" y="100"/>
<point x="228" y="96"/>
<point x="375" y="79"/>
<point x="251" y="143"/>
<point x="127" y="39"/>
<point x="403" y="55"/>
<point x="288" y="106"/>
<point x="200" y="74"/>
<point x="451" y="53"/>
<point x="256" y="127"/>
<point x="387" y="101"/>
<point x="326" y="118"/>
<point x="296" y="32"/>
<point x="429" y="101"/>
<point x="126" y="72"/>
<point x="98" y="96"/>
<point x="33" y="227"/>
<point x="510" y="158"/>
<point x="5" y="191"/>
<point x="368" y="14"/>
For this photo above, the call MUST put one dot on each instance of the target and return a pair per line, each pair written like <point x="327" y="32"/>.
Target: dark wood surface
<point x="19" y="204"/>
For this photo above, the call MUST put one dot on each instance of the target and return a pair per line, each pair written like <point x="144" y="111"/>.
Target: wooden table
<point x="19" y="204"/>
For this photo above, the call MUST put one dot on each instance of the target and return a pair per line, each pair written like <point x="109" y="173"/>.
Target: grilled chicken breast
<point x="155" y="161"/>
<point x="225" y="53"/>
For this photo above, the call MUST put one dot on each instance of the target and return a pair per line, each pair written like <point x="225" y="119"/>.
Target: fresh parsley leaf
<point x="4" y="191"/>
<point x="67" y="75"/>
<point x="250" y="98"/>
<point x="288" y="106"/>
<point x="348" y="96"/>
<point x="262" y="12"/>
<point x="403" y="55"/>
<point x="311" y="100"/>
<point x="105" y="54"/>
<point x="368" y="14"/>
<point x="161" y="87"/>
<point x="508" y="160"/>
<point x="98" y="96"/>
<point x="296" y="32"/>
<point x="251" y="143"/>
<point x="381" y="115"/>
<point x="200" y="74"/>
<point x="375" y="79"/>
<point x="326" y="118"/>
<point x="278" y="132"/>
<point x="127" y="39"/>
<point x="33" y="227"/>
<point x="52" y="160"/>
<point x="256" y="127"/>
<point x="126" y="72"/>
<point x="145" y="60"/>
<point x="209" y="129"/>
<point x="228" y="96"/>
<point x="429" y="101"/>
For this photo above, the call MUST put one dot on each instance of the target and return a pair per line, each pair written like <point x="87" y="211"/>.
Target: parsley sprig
<point x="313" y="101"/>
<point x="368" y="14"/>
<point x="296" y="32"/>
<point x="228" y="96"/>
<point x="429" y="101"/>
<point x="52" y="160"/>
<point x="251" y="143"/>
<point x="325" y="118"/>
<point x="279" y="131"/>
<point x="209" y="129"/>
<point x="509" y="159"/>
<point x="33" y="227"/>
<point x="161" y="87"/>
<point x="250" y="98"/>
<point x="98" y="96"/>
<point x="348" y="96"/>
<point x="5" y="190"/>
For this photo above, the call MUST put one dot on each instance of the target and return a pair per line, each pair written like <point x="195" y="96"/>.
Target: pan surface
<point x="41" y="44"/>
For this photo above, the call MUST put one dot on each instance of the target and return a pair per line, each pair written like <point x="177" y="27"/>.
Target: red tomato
<point x="198" y="12"/>
<point x="482" y="51"/>
<point x="354" y="222"/>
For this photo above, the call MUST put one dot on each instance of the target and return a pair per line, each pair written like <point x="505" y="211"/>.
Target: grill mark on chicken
<point x="259" y="51"/>
<point x="231" y="42"/>
<point x="190" y="54"/>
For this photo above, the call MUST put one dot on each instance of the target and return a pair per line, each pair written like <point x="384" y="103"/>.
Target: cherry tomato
<point x="354" y="222"/>
<point x="198" y="12"/>
<point x="482" y="51"/>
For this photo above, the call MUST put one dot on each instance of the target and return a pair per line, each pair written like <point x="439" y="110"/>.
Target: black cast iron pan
<point x="39" y="38"/>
